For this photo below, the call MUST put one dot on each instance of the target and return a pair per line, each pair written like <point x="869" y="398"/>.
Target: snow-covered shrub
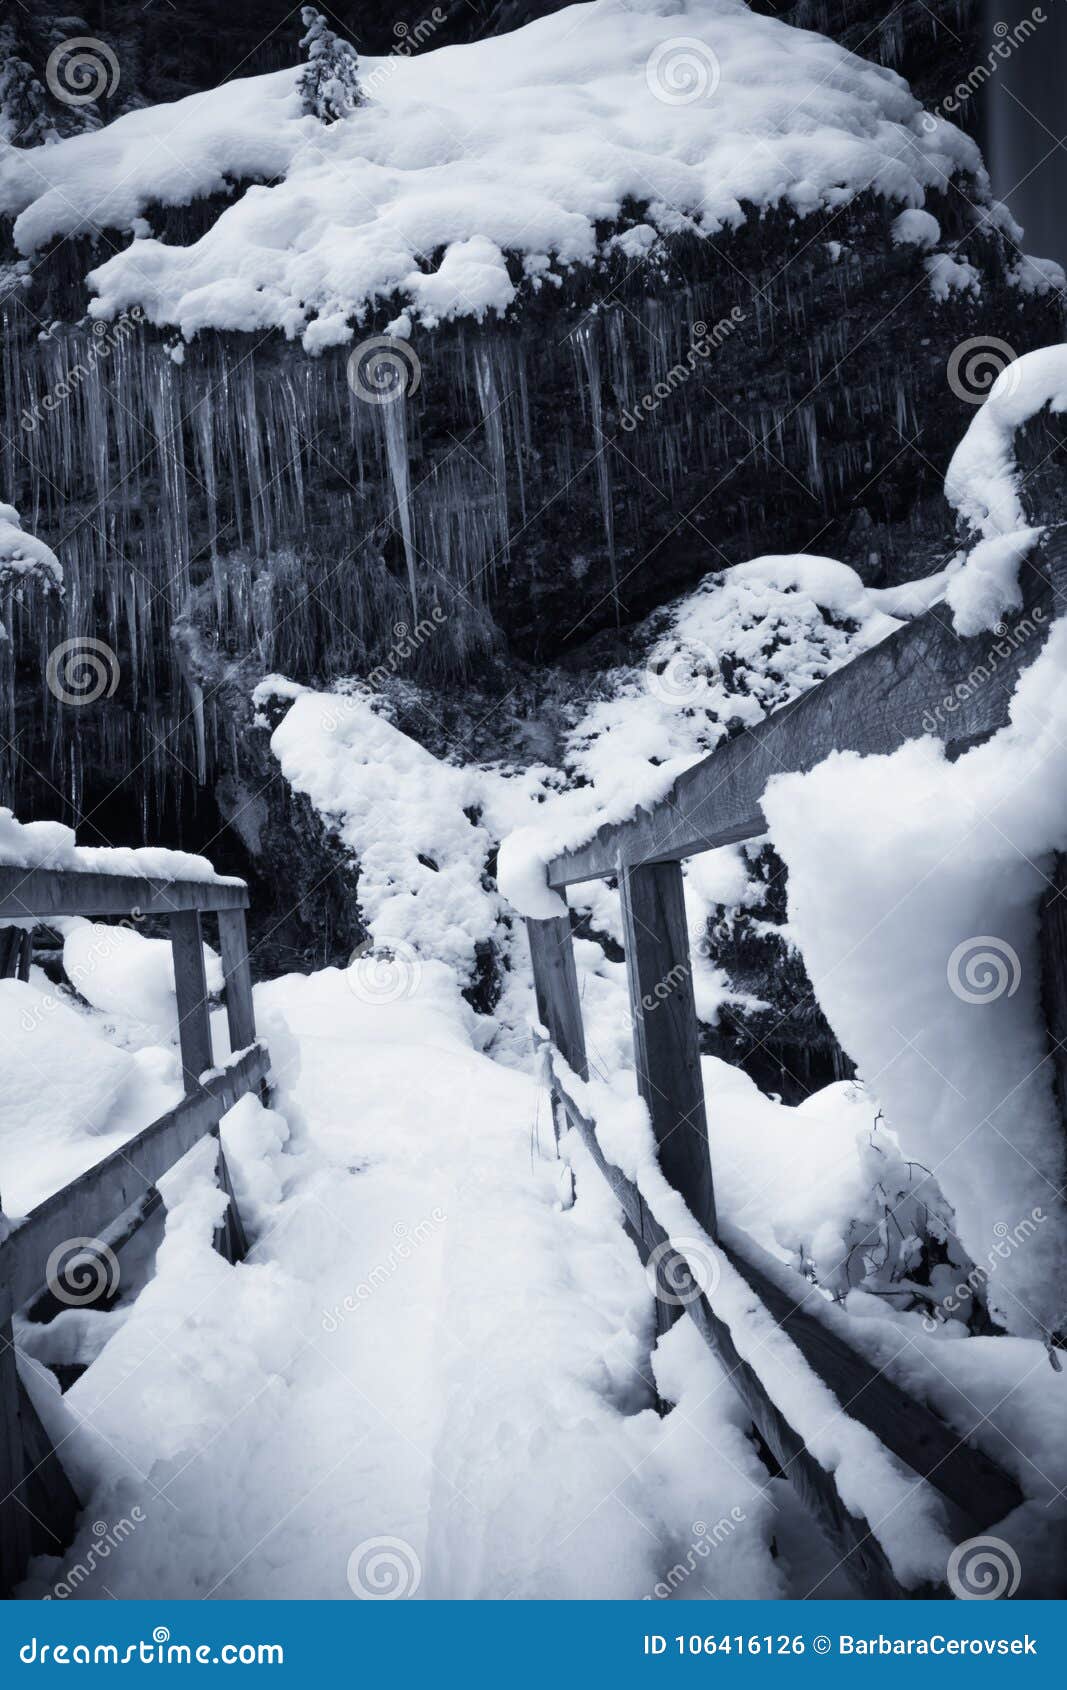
<point x="329" y="83"/>
<point x="24" y="562"/>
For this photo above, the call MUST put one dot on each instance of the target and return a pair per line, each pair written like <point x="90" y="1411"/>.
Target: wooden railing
<point x="924" y="678"/>
<point x="110" y="1201"/>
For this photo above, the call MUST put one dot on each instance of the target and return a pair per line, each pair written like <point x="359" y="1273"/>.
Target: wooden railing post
<point x="666" y="1043"/>
<point x="194" y="1032"/>
<point x="233" y="946"/>
<point x="556" y="987"/>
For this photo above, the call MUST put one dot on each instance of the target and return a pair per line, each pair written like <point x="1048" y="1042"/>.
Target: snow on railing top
<point x="516" y="145"/>
<point x="51" y="845"/>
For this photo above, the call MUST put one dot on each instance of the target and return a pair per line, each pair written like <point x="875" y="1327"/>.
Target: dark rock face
<point x="549" y="479"/>
<point x="787" y="1046"/>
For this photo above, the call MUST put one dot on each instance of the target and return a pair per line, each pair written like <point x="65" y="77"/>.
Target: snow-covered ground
<point x="436" y="1369"/>
<point x="465" y="157"/>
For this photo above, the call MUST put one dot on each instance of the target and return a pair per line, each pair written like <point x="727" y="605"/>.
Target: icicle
<point x="394" y="426"/>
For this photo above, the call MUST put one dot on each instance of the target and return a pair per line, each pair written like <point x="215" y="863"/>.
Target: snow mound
<point x="922" y="947"/>
<point x="69" y="1095"/>
<point x="471" y="168"/>
<point x="124" y="974"/>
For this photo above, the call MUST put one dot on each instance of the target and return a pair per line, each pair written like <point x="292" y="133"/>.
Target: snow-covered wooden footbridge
<point x="799" y="1364"/>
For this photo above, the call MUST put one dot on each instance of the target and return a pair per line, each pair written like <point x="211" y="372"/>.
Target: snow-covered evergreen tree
<point x="24" y="116"/>
<point x="329" y="84"/>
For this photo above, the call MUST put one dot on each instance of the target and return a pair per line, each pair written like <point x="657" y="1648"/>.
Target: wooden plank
<point x="45" y="892"/>
<point x="969" y="1478"/>
<point x="230" y="1238"/>
<point x="86" y="1207"/>
<point x="46" y="1489"/>
<point x="1054" y="978"/>
<point x="922" y="679"/>
<point x="233" y="946"/>
<point x="16" y="1540"/>
<point x="190" y="984"/>
<point x="46" y="1305"/>
<point x="556" y="988"/>
<point x="666" y="1042"/>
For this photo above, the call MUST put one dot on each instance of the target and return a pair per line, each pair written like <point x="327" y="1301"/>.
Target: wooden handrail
<point x="87" y="1206"/>
<point x="925" y="678"/>
<point x="38" y="893"/>
<point x="967" y="1477"/>
<point x="101" y="1210"/>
